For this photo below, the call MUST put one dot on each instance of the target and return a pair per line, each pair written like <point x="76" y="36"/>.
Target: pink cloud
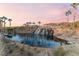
<point x="21" y="13"/>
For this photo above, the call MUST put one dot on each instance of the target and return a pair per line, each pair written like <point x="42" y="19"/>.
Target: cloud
<point x="21" y="13"/>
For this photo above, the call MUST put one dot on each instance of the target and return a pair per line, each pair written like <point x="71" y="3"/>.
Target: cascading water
<point x="42" y="31"/>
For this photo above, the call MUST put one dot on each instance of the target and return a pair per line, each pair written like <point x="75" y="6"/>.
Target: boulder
<point x="44" y="31"/>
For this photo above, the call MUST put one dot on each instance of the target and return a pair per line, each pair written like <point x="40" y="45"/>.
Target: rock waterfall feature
<point x="44" y="31"/>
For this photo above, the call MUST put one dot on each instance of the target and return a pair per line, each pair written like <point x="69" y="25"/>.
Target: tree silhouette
<point x="4" y="19"/>
<point x="39" y="22"/>
<point x="10" y="22"/>
<point x="1" y="22"/>
<point x="68" y="14"/>
<point x="33" y="23"/>
<point x="74" y="5"/>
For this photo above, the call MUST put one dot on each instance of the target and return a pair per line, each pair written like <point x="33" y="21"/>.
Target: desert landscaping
<point x="26" y="36"/>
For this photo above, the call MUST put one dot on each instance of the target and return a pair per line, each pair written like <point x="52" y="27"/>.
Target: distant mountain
<point x="56" y="24"/>
<point x="64" y="24"/>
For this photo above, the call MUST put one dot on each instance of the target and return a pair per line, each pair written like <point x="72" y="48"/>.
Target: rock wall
<point x="44" y="31"/>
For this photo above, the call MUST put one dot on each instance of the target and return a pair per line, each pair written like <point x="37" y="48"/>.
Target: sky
<point x="21" y="13"/>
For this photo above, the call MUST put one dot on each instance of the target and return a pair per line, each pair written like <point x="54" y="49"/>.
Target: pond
<point x="35" y="40"/>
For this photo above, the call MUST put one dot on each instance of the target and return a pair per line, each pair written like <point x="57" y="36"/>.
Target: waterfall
<point x="42" y="31"/>
<point x="37" y="31"/>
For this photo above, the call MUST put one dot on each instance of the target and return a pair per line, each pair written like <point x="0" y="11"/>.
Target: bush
<point x="60" y="52"/>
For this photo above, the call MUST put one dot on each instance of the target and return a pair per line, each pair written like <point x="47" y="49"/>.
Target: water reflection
<point x="35" y="40"/>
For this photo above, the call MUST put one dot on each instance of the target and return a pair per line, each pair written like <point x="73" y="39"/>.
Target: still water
<point x="35" y="40"/>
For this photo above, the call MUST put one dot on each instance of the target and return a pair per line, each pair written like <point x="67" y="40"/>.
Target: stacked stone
<point x="44" y="31"/>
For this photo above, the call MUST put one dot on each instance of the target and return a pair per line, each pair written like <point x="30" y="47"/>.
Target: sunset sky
<point x="44" y="12"/>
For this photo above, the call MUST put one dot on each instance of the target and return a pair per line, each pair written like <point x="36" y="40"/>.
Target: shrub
<point x="60" y="52"/>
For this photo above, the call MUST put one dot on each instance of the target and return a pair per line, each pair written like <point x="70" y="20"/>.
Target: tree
<point x="10" y="21"/>
<point x="1" y="24"/>
<point x="33" y="23"/>
<point x="24" y="24"/>
<point x="74" y="5"/>
<point x="28" y="23"/>
<point x="1" y="20"/>
<point x="39" y="22"/>
<point x="4" y="19"/>
<point x="68" y="14"/>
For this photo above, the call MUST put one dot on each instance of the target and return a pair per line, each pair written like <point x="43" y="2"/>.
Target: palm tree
<point x="28" y="23"/>
<point x="4" y="19"/>
<point x="1" y="20"/>
<point x="68" y="14"/>
<point x="74" y="5"/>
<point x="33" y="23"/>
<point x="1" y="24"/>
<point x="24" y="24"/>
<point x="10" y="21"/>
<point x="39" y="22"/>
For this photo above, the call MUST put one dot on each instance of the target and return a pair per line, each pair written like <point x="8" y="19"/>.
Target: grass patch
<point x="60" y="52"/>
